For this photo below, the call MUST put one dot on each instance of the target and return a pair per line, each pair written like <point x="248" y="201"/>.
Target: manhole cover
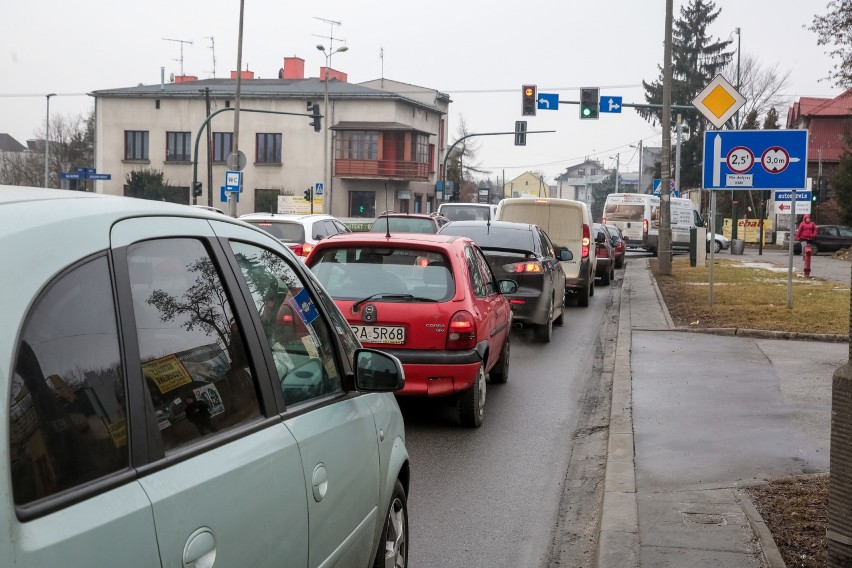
<point x="704" y="518"/>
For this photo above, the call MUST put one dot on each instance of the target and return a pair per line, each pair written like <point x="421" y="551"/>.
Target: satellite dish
<point x="171" y="78"/>
<point x="281" y="73"/>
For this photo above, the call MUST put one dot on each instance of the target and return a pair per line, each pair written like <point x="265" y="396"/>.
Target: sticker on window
<point x="304" y="306"/>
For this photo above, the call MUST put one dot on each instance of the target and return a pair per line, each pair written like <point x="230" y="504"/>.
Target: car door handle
<point x="200" y="549"/>
<point x="319" y="480"/>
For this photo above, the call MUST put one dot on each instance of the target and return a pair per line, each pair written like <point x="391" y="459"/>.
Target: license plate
<point x="387" y="334"/>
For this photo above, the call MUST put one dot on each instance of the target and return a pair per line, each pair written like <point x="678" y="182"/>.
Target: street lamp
<point x="639" y="147"/>
<point x="47" y="143"/>
<point x="325" y="185"/>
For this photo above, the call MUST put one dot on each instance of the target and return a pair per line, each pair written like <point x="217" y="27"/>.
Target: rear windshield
<point x="356" y="273"/>
<point x="465" y="212"/>
<point x="404" y="225"/>
<point x="624" y="212"/>
<point x="286" y="231"/>
<point x="518" y="239"/>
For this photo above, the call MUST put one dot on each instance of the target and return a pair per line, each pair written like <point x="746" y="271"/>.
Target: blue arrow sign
<point x="224" y="192"/>
<point x="755" y="159"/>
<point x="548" y="101"/>
<point x="610" y="104"/>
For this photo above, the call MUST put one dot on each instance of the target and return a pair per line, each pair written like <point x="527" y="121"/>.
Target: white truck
<point x="638" y="217"/>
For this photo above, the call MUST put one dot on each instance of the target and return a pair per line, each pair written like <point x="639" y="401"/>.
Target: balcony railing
<point x="381" y="169"/>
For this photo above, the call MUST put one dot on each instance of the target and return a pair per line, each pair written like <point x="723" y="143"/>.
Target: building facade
<point x="384" y="148"/>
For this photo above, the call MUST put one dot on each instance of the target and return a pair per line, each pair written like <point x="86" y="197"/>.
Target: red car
<point x="430" y="300"/>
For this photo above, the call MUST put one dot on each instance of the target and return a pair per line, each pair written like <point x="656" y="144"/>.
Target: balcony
<point x="381" y="169"/>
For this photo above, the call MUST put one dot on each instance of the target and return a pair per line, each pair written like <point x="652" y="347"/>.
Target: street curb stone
<point x="770" y="551"/>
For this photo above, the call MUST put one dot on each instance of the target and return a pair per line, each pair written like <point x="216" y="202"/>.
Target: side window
<point x="298" y="336"/>
<point x="319" y="230"/>
<point x="546" y="246"/>
<point x="490" y="280"/>
<point x="476" y="280"/>
<point x="192" y="351"/>
<point x="341" y="228"/>
<point x="68" y="414"/>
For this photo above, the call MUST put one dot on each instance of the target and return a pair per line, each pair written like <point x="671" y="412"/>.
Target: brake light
<point x="462" y="332"/>
<point x="602" y="250"/>
<point x="587" y="240"/>
<point x="303" y="249"/>
<point x="645" y="227"/>
<point x="603" y="220"/>
<point x="521" y="267"/>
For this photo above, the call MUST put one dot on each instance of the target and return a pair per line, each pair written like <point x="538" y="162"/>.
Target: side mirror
<point x="508" y="286"/>
<point x="564" y="254"/>
<point x="376" y="371"/>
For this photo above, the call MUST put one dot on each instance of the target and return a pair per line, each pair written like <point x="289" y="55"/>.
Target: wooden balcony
<point x="381" y="169"/>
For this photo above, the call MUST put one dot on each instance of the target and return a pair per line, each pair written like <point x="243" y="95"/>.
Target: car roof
<point x="286" y="216"/>
<point x="406" y="239"/>
<point x="412" y="215"/>
<point x="493" y="224"/>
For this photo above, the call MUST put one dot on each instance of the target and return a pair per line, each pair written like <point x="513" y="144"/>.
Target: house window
<point x="135" y="144"/>
<point x="268" y="148"/>
<point x="178" y="147"/>
<point x="420" y="148"/>
<point x="594" y="171"/>
<point x="358" y="145"/>
<point x="223" y="144"/>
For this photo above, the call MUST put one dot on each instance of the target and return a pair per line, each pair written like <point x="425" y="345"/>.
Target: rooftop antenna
<point x="382" y="57"/>
<point x="330" y="37"/>
<point x="387" y="233"/>
<point x="181" y="42"/>
<point x="212" y="48"/>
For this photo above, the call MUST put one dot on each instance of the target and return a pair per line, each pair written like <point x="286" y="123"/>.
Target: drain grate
<point x="704" y="518"/>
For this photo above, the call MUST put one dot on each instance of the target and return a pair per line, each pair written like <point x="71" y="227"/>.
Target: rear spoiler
<point x="513" y="250"/>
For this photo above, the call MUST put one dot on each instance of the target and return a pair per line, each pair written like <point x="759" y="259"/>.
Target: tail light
<point x="602" y="251"/>
<point x="587" y="240"/>
<point x="645" y="227"/>
<point x="303" y="249"/>
<point x="462" y="332"/>
<point x="603" y="220"/>
<point x="531" y="267"/>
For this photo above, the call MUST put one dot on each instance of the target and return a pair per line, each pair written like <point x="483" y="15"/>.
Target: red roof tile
<point x="826" y="138"/>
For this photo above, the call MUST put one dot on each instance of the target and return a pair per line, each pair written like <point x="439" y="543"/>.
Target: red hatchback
<point x="430" y="300"/>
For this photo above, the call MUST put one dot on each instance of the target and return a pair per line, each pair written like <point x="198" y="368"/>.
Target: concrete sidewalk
<point x="694" y="419"/>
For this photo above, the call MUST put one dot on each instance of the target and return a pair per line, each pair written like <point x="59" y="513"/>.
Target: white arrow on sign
<point x="613" y="106"/>
<point x="544" y="102"/>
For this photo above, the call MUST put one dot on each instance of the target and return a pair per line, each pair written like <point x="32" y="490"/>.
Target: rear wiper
<point x="386" y="296"/>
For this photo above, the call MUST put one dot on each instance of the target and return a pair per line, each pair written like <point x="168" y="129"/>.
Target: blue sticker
<point x="304" y="306"/>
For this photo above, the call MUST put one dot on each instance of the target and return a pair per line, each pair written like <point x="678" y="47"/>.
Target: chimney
<point x="244" y="75"/>
<point x="294" y="68"/>
<point x="333" y="74"/>
<point x="185" y="78"/>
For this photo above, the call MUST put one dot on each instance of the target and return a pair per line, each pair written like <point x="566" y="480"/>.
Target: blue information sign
<point x="610" y="104"/>
<point x="548" y="101"/>
<point x="755" y="159"/>
<point x="224" y="192"/>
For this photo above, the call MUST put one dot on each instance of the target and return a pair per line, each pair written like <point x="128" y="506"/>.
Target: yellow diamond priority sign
<point x="718" y="101"/>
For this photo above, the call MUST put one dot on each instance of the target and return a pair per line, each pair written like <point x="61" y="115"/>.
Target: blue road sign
<point x="755" y="159"/>
<point x="224" y="192"/>
<point x="64" y="175"/>
<point x="673" y="192"/>
<point x="318" y="188"/>
<point x="234" y="181"/>
<point x="548" y="101"/>
<point x="610" y="104"/>
<point x="98" y="176"/>
<point x="788" y="195"/>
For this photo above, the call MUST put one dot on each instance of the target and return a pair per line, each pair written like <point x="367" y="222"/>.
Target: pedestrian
<point x="806" y="232"/>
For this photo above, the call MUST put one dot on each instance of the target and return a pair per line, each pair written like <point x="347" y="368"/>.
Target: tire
<point x="471" y="403"/>
<point x="583" y="296"/>
<point x="560" y="319"/>
<point x="393" y="544"/>
<point x="544" y="332"/>
<point x="717" y="248"/>
<point x="619" y="263"/>
<point x="591" y="285"/>
<point x="500" y="373"/>
<point x="605" y="279"/>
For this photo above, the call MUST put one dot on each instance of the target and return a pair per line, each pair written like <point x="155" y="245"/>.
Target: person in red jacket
<point x="806" y="232"/>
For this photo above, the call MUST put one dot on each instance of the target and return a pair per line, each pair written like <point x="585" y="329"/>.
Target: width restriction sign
<point x="755" y="159"/>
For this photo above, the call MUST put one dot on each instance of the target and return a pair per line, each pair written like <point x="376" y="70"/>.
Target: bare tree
<point x="761" y="86"/>
<point x="835" y="29"/>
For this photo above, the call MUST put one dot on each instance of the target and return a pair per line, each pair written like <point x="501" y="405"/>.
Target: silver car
<point x="179" y="390"/>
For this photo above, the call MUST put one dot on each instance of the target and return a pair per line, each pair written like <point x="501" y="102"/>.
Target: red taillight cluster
<point x="462" y="332"/>
<point x="524" y="267"/>
<point x="587" y="240"/>
<point x="645" y="227"/>
<point x="603" y="220"/>
<point x="602" y="251"/>
<point x="303" y="249"/>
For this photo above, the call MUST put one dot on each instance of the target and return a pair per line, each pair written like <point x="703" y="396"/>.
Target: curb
<point x="764" y="536"/>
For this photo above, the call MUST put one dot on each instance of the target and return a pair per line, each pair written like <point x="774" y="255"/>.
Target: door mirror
<point x="564" y="254"/>
<point x="376" y="371"/>
<point x="508" y="286"/>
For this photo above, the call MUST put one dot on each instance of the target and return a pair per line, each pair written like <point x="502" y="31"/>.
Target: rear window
<point x="404" y="225"/>
<point x="286" y="231"/>
<point x="519" y="239"/>
<point x="357" y="273"/>
<point x="465" y="212"/>
<point x="624" y="212"/>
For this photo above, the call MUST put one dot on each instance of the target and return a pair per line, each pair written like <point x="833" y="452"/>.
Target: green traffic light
<point x="587" y="111"/>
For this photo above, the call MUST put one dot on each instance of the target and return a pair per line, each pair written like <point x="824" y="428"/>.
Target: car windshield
<point x="623" y="212"/>
<point x="499" y="237"/>
<point x="463" y="212"/>
<point x="356" y="273"/>
<point x="404" y="225"/>
<point x="285" y="231"/>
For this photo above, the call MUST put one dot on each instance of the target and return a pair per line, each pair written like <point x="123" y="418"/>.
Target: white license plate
<point x="388" y="334"/>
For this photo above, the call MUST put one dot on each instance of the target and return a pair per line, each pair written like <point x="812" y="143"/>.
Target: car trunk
<point x="520" y="266"/>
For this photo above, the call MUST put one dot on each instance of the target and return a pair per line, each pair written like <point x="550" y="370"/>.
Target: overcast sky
<point x="480" y="52"/>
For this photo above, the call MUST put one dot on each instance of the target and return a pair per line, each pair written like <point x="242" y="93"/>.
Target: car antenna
<point x="387" y="219"/>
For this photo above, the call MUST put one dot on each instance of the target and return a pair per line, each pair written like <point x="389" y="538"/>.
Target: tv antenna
<point x="212" y="48"/>
<point x="181" y="42"/>
<point x="330" y="37"/>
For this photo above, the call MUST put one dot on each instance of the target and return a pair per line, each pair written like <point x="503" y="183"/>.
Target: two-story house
<point x="385" y="141"/>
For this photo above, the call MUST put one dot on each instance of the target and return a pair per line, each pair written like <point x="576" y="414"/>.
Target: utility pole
<point x="232" y="199"/>
<point x="617" y="164"/>
<point x="641" y="187"/>
<point x="664" y="241"/>
<point x="209" y="150"/>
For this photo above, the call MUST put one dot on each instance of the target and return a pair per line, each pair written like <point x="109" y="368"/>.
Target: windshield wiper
<point x="387" y="296"/>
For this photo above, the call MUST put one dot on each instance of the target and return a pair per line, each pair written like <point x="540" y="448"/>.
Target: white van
<point x="638" y="217"/>
<point x="468" y="211"/>
<point x="568" y="223"/>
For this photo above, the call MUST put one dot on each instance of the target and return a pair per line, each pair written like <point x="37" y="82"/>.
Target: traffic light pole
<point x="207" y="121"/>
<point x="454" y="144"/>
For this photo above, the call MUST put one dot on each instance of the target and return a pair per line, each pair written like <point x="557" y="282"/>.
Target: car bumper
<point x="437" y="373"/>
<point x="581" y="281"/>
<point x="604" y="266"/>
<point x="533" y="310"/>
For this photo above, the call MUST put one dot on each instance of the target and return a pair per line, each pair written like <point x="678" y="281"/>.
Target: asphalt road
<point x="523" y="490"/>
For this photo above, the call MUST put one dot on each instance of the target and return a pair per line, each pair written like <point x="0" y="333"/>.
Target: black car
<point x="606" y="256"/>
<point x="829" y="238"/>
<point x="522" y="252"/>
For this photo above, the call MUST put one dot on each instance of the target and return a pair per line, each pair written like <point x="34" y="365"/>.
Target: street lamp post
<point x="47" y="143"/>
<point x="325" y="184"/>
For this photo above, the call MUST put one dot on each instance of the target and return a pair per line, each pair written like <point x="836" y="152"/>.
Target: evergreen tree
<point x="750" y="122"/>
<point x="151" y="184"/>
<point x="599" y="193"/>
<point x="771" y="120"/>
<point x="841" y="182"/>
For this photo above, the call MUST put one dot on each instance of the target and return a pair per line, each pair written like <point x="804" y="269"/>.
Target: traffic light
<point x="528" y="102"/>
<point x="815" y="192"/>
<point x="315" y="118"/>
<point x="196" y="189"/>
<point x="589" y="103"/>
<point x="520" y="133"/>
<point x="308" y="196"/>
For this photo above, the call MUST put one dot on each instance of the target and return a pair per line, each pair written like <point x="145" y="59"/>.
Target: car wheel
<point x="500" y="373"/>
<point x="606" y="278"/>
<point x="619" y="263"/>
<point x="560" y="319"/>
<point x="717" y="247"/>
<point x="591" y="286"/>
<point x="393" y="545"/>
<point x="583" y="296"/>
<point x="544" y="333"/>
<point x="471" y="403"/>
